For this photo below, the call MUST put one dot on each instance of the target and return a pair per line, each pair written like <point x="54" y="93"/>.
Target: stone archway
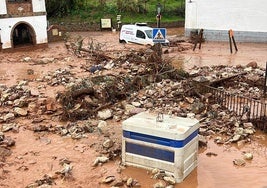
<point x="23" y="34"/>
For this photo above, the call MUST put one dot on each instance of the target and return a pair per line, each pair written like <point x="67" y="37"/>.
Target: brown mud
<point x="37" y="154"/>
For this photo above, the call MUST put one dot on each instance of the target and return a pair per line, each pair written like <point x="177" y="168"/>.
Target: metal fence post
<point x="265" y="82"/>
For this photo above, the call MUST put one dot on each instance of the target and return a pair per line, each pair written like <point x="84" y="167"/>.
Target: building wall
<point x="18" y="9"/>
<point x="3" y="9"/>
<point x="38" y="23"/>
<point x="247" y="18"/>
<point x="38" y="5"/>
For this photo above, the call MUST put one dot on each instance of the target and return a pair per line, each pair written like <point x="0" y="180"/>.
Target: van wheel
<point x="122" y="41"/>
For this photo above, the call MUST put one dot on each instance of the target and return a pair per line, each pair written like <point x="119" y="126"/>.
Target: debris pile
<point x="116" y="88"/>
<point x="5" y="146"/>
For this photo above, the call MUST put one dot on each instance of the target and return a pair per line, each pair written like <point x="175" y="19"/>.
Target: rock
<point x="239" y="131"/>
<point x="19" y="103"/>
<point x="169" y="180"/>
<point x="109" y="65"/>
<point x="239" y="162"/>
<point x="222" y="114"/>
<point x="248" y="156"/>
<point x="201" y="79"/>
<point x="189" y="100"/>
<point x="248" y="125"/>
<point x="252" y="64"/>
<point x="190" y="115"/>
<point x="108" y="179"/>
<point x="104" y="114"/>
<point x="117" y="183"/>
<point x="249" y="131"/>
<point x="32" y="107"/>
<point x="248" y="69"/>
<point x="4" y="152"/>
<point x="159" y="185"/>
<point x="170" y="186"/>
<point x="32" y="185"/>
<point x="197" y="107"/>
<point x="35" y="92"/>
<point x="128" y="107"/>
<point x="236" y="138"/>
<point x="46" y="60"/>
<point x="45" y="186"/>
<point x="95" y="68"/>
<point x="103" y="127"/>
<point x="202" y="141"/>
<point x="30" y="71"/>
<point x="7" y="142"/>
<point x="148" y="105"/>
<point x="9" y="116"/>
<point x="134" y="111"/>
<point x="27" y="59"/>
<point x="225" y="74"/>
<point x="8" y="127"/>
<point x="31" y="162"/>
<point x="2" y="136"/>
<point x="108" y="143"/>
<point x="215" y="106"/>
<point x="209" y="154"/>
<point x="100" y="160"/>
<point x="155" y="171"/>
<point x="218" y="140"/>
<point x="129" y="182"/>
<point x="136" y="104"/>
<point x="20" y="111"/>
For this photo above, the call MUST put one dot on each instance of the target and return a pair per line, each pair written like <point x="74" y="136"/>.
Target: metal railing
<point x="255" y="110"/>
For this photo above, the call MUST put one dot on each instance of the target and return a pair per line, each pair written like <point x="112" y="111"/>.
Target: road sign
<point x="159" y="35"/>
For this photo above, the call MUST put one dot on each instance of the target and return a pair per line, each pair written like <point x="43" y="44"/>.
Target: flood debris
<point x="6" y="143"/>
<point x="66" y="171"/>
<point x="248" y="156"/>
<point x="46" y="180"/>
<point x="118" y="86"/>
<point x="239" y="162"/>
<point x="100" y="160"/>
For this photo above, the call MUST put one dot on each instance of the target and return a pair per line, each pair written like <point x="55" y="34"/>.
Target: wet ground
<point x="38" y="154"/>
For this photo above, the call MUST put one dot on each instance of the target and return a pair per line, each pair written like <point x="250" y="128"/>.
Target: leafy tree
<point x="58" y="7"/>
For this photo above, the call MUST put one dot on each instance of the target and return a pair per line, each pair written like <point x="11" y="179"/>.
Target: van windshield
<point x="149" y="33"/>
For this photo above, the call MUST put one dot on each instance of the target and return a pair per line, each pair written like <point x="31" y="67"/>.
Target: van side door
<point x="140" y="37"/>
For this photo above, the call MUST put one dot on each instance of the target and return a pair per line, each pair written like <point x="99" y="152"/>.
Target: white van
<point x="138" y="33"/>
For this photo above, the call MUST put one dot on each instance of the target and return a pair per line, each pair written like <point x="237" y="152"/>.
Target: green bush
<point x="131" y="10"/>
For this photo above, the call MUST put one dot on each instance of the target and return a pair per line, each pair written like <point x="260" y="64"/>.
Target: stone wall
<point x="93" y="26"/>
<point x="19" y="8"/>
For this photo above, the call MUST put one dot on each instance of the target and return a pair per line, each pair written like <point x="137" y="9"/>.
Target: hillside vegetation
<point x="130" y="10"/>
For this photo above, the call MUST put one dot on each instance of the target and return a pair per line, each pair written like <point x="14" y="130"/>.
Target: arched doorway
<point x="0" y="43"/>
<point x="23" y="35"/>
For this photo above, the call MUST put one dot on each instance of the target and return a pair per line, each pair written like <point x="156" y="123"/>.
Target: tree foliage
<point x="64" y="7"/>
<point x="100" y="8"/>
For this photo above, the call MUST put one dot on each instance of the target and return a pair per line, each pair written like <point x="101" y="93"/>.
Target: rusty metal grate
<point x="256" y="110"/>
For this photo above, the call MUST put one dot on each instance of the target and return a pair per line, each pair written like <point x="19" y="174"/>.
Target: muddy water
<point x="217" y="53"/>
<point x="40" y="157"/>
<point x="39" y="154"/>
<point x="219" y="171"/>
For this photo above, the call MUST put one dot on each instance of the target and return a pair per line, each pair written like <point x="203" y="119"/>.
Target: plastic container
<point x="159" y="141"/>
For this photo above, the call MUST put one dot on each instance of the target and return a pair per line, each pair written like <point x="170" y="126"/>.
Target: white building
<point x="247" y="18"/>
<point x="22" y="23"/>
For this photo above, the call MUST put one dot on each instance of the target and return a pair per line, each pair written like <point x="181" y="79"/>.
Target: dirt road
<point x="38" y="155"/>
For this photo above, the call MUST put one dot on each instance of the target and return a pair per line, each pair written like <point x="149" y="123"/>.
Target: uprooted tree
<point x="86" y="97"/>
